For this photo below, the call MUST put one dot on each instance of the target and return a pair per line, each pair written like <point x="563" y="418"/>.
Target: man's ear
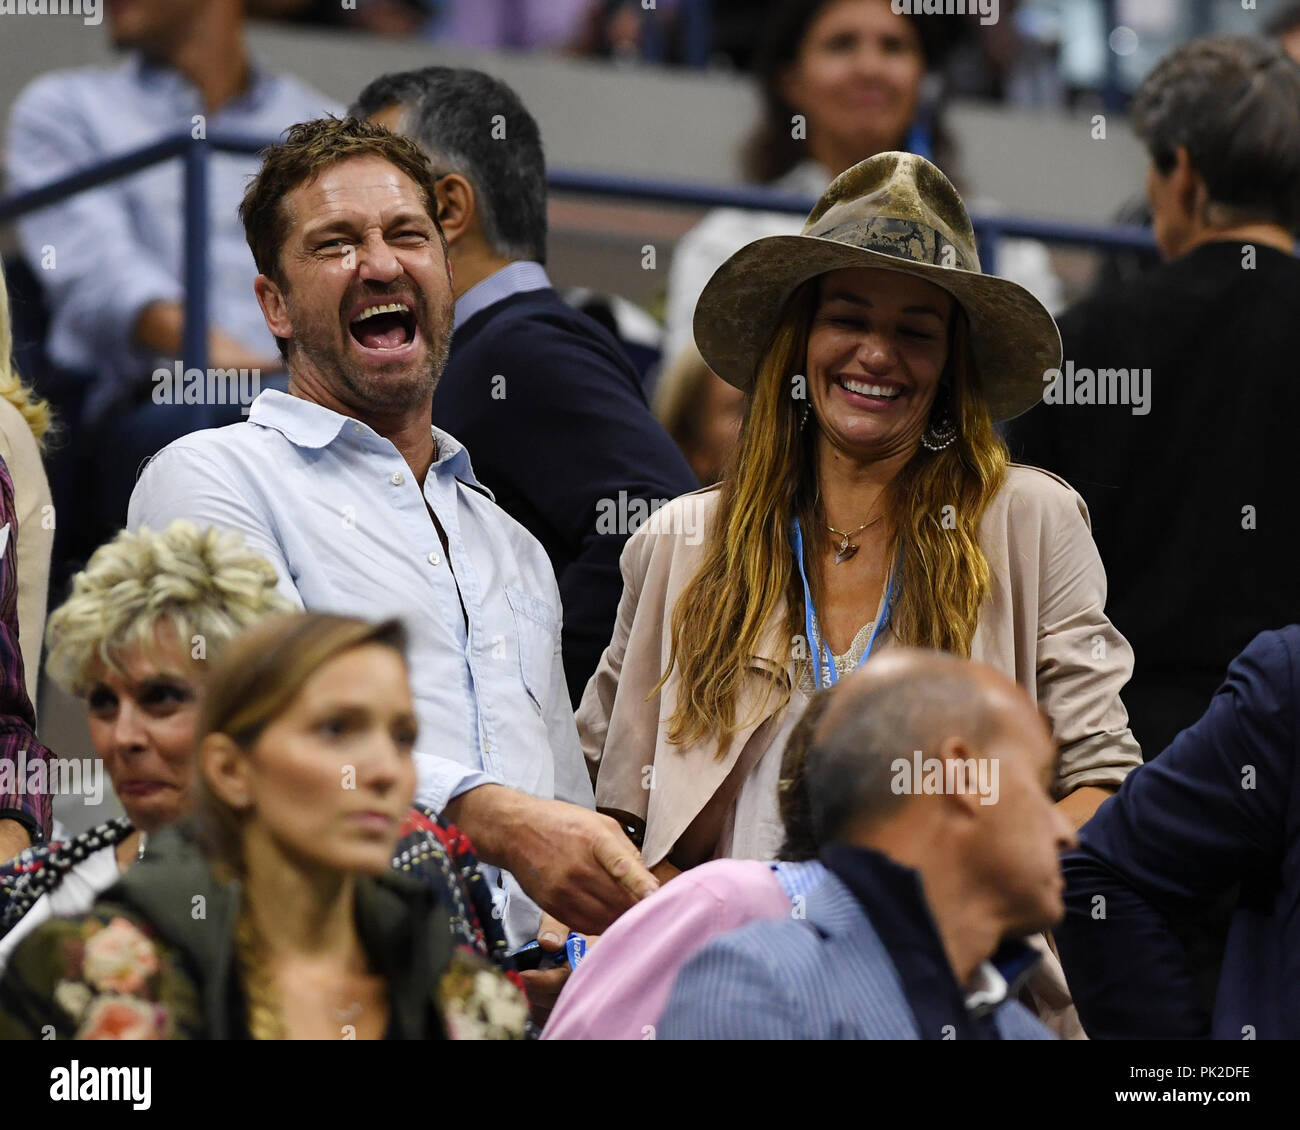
<point x="275" y="311"/>
<point x="226" y="771"/>
<point x="1189" y="186"/>
<point x="963" y="799"/>
<point x="457" y="206"/>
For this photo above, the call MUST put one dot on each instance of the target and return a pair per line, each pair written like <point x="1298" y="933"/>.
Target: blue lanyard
<point x="822" y="649"/>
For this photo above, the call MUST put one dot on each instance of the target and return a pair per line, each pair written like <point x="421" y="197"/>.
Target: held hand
<point x="543" y="985"/>
<point x="663" y="871"/>
<point x="572" y="862"/>
<point x="578" y="865"/>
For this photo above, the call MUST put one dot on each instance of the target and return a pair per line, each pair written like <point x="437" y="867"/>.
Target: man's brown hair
<point x="308" y="149"/>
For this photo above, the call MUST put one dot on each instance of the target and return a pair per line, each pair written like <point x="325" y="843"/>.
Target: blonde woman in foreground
<point x="303" y="779"/>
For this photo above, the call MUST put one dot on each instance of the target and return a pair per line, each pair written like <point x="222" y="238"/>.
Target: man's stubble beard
<point x="382" y="394"/>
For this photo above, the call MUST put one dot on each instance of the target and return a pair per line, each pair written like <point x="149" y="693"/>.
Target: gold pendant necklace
<point x="847" y="547"/>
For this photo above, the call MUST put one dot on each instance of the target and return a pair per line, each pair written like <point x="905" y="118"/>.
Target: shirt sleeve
<point x="1083" y="661"/>
<point x="180" y="483"/>
<point x="572" y="782"/>
<point x="101" y="278"/>
<point x="597" y="704"/>
<point x="1185" y="828"/>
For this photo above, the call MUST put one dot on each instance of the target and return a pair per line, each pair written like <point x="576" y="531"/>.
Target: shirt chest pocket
<point x="536" y="628"/>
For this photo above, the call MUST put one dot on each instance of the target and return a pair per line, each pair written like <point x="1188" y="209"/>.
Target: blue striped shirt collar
<point x="515" y="278"/>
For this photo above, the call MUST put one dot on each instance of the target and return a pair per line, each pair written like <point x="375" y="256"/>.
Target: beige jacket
<point x="35" y="513"/>
<point x="1044" y="625"/>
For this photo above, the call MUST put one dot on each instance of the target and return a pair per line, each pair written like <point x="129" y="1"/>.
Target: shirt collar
<point x="159" y="76"/>
<point x="514" y="278"/>
<point x="988" y="988"/>
<point x="894" y="899"/>
<point x="307" y="424"/>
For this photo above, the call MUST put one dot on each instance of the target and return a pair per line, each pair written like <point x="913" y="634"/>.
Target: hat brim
<point x="1013" y="337"/>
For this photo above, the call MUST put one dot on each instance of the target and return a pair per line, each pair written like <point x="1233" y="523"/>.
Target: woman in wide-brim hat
<point x="871" y="502"/>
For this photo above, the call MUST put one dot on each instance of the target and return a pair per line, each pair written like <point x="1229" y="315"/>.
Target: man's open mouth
<point x="384" y="326"/>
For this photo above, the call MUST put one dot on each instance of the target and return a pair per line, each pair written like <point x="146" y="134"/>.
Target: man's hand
<point x="160" y="328"/>
<point x="13" y="839"/>
<point x="574" y="863"/>
<point x="663" y="871"/>
<point x="543" y="985"/>
<point x="1080" y="805"/>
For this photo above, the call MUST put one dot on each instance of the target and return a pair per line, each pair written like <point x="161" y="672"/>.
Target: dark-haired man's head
<point x="1284" y="27"/>
<point x="1220" y="118"/>
<point x="354" y="280"/>
<point x="486" y="150"/>
<point x="945" y="766"/>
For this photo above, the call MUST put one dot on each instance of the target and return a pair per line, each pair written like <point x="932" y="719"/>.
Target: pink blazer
<point x="623" y="984"/>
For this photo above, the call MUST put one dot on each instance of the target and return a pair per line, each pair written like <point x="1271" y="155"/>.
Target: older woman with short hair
<point x="304" y="776"/>
<point x="133" y="641"/>
<point x="872" y="503"/>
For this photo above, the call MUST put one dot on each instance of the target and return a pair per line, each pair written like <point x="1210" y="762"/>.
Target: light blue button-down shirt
<point x="334" y="507"/>
<point x="104" y="255"/>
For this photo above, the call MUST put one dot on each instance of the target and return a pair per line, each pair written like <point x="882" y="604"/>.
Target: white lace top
<point x="844" y="664"/>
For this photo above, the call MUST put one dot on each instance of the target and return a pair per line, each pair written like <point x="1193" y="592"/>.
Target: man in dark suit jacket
<point x="547" y="402"/>
<point x="940" y="862"/>
<point x="1175" y="416"/>
<point x="1219" y="808"/>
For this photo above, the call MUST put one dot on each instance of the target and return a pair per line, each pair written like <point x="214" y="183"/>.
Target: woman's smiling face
<point x="877" y="348"/>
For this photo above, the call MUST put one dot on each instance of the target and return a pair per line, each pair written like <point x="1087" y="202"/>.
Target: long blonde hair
<point x="934" y="507"/>
<point x="34" y="410"/>
<point x="254" y="682"/>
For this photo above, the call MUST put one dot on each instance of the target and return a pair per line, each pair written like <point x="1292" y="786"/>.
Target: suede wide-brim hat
<point x="893" y="212"/>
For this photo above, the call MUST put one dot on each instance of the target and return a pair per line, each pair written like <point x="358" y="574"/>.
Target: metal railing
<point x="196" y="153"/>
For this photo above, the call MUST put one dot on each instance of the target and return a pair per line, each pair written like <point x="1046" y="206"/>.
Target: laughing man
<point x="366" y="510"/>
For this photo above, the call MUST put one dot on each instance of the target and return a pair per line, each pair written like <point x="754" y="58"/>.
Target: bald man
<point x="929" y="783"/>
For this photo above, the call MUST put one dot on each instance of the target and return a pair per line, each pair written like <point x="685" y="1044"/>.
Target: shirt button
<point x="434" y="559"/>
<point x="397" y="478"/>
<point x="357" y="428"/>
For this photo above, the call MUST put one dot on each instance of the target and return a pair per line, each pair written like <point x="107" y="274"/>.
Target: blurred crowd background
<point x="1026" y="113"/>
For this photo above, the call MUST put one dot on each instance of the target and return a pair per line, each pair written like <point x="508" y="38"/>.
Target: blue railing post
<point x="652" y="36"/>
<point x="194" y="342"/>
<point x="987" y="237"/>
<point x="1112" y="93"/>
<point x="697" y="32"/>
